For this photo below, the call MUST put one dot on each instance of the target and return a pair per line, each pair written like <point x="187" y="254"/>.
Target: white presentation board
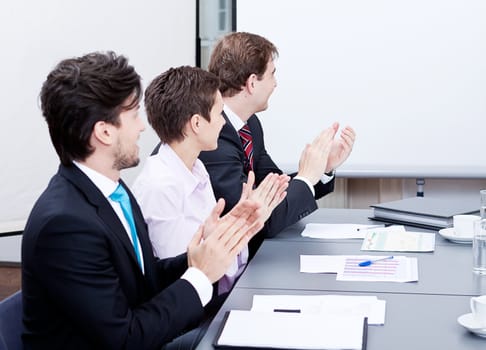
<point x="35" y="36"/>
<point x="409" y="76"/>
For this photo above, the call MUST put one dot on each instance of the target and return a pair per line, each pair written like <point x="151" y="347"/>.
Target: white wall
<point x="36" y="35"/>
<point x="409" y="76"/>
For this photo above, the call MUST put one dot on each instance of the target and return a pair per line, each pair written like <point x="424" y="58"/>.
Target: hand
<point x="246" y="208"/>
<point x="269" y="194"/>
<point x="314" y="158"/>
<point x="211" y="222"/>
<point x="214" y="254"/>
<point x="341" y="148"/>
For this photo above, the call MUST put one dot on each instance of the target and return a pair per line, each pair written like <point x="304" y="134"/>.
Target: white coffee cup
<point x="464" y="224"/>
<point x="478" y="308"/>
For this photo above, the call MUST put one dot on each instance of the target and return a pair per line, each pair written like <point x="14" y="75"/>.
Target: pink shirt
<point x="175" y="202"/>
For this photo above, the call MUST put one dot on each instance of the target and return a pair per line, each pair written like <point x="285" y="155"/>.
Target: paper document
<point x="335" y="231"/>
<point x="292" y="331"/>
<point x="396" y="239"/>
<point x="338" y="305"/>
<point x="398" y="269"/>
<point x="321" y="263"/>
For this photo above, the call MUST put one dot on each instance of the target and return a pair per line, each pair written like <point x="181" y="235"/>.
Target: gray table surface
<point x="447" y="270"/>
<point x="412" y="321"/>
<point x="419" y="315"/>
<point x="342" y="216"/>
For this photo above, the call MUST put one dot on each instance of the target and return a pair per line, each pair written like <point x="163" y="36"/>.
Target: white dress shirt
<point x="197" y="278"/>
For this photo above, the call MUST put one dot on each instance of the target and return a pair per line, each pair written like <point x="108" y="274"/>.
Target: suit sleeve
<point x="83" y="281"/>
<point x="226" y="168"/>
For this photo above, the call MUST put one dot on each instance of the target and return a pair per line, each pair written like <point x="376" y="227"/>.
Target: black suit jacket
<point x="82" y="286"/>
<point x="226" y="169"/>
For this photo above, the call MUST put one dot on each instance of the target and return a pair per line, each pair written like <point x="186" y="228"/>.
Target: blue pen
<point x="369" y="262"/>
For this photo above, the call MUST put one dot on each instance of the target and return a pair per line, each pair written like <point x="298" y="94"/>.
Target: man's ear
<point x="250" y="83"/>
<point x="103" y="132"/>
<point x="195" y="123"/>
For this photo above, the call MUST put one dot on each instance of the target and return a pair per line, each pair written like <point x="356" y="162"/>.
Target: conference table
<point x="419" y="315"/>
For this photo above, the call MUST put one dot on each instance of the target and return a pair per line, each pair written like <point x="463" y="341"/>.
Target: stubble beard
<point x="123" y="160"/>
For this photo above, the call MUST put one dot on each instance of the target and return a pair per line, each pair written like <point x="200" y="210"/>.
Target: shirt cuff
<point x="307" y="182"/>
<point x="327" y="177"/>
<point x="200" y="282"/>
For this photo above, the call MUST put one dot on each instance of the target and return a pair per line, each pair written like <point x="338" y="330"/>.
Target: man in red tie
<point x="245" y="64"/>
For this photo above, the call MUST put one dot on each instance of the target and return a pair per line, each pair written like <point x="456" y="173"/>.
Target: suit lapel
<point x="104" y="208"/>
<point x="257" y="136"/>
<point x="230" y="133"/>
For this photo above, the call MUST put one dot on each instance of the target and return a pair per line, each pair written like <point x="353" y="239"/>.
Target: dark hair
<point x="237" y="56"/>
<point x="81" y="91"/>
<point x="174" y="96"/>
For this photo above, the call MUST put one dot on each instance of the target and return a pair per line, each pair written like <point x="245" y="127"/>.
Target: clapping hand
<point x="314" y="159"/>
<point x="269" y="193"/>
<point x="340" y="148"/>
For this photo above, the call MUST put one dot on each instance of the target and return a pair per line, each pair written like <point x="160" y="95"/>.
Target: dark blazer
<point x="82" y="287"/>
<point x="226" y="169"/>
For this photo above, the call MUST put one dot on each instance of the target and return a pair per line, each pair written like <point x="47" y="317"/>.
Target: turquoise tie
<point x="121" y="196"/>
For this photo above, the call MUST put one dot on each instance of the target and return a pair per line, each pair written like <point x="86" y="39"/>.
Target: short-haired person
<point x="173" y="189"/>
<point x="89" y="277"/>
<point x="244" y="62"/>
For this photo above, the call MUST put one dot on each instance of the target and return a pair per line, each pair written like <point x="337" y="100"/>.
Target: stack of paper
<point x="303" y="322"/>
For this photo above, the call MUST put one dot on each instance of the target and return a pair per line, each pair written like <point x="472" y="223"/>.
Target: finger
<point x="279" y="195"/>
<point x="324" y="138"/>
<point x="248" y="186"/>
<point x="262" y="190"/>
<point x="242" y="209"/>
<point x="253" y="229"/>
<point x="272" y="190"/>
<point x="241" y="212"/>
<point x="347" y="142"/>
<point x="221" y="226"/>
<point x="233" y="233"/>
<point x="245" y="192"/>
<point x="196" y="239"/>
<point x="349" y="133"/>
<point x="349" y="129"/>
<point x="250" y="180"/>
<point x="242" y="243"/>
<point x="280" y="198"/>
<point x="217" y="210"/>
<point x="278" y="185"/>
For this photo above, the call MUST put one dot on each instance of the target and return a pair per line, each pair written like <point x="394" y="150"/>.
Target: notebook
<point x="427" y="212"/>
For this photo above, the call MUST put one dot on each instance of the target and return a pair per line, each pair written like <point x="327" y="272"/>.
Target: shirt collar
<point x="106" y="185"/>
<point x="233" y="118"/>
<point x="191" y="179"/>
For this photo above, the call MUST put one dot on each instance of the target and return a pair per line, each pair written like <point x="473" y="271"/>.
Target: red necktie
<point x="247" y="142"/>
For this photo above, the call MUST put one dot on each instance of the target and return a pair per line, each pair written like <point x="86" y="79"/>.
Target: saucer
<point x="449" y="234"/>
<point x="468" y="322"/>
